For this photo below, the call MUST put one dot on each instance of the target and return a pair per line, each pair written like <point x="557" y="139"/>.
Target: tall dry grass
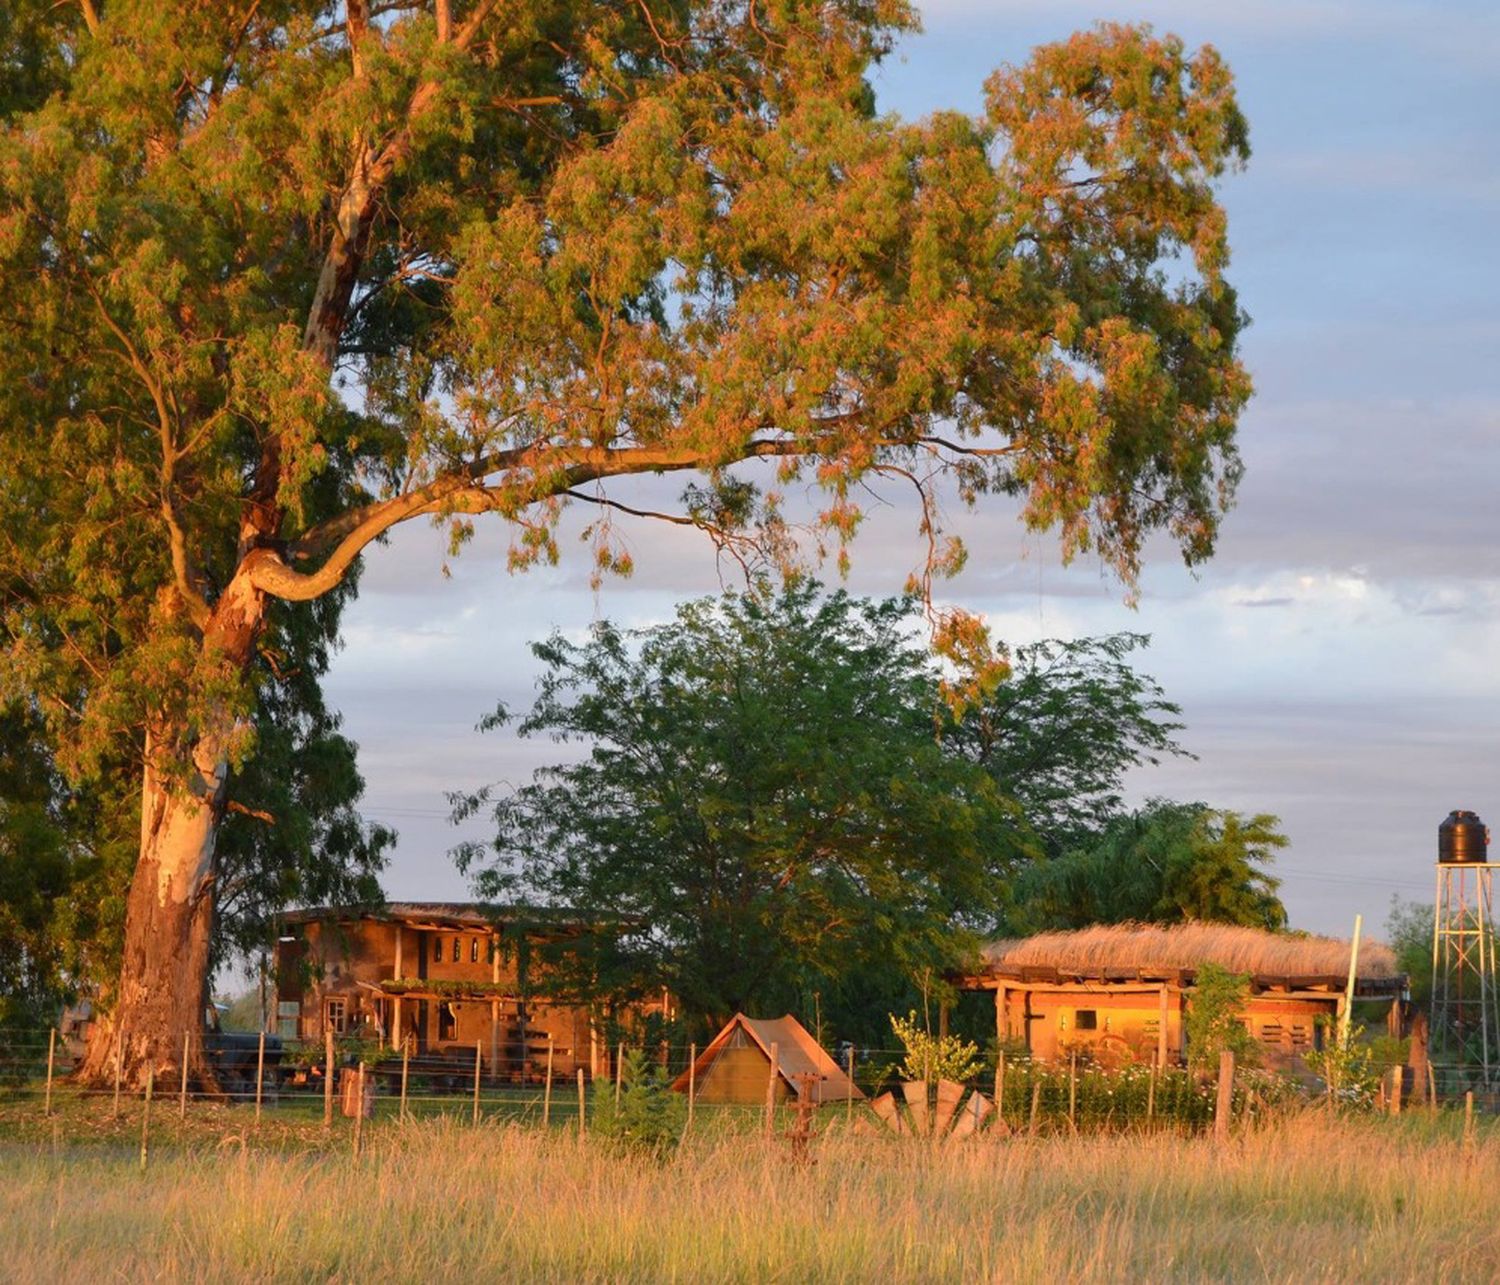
<point x="1310" y="1198"/>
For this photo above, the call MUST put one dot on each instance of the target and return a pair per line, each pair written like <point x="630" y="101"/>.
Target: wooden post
<point x="478" y="1065"/>
<point x="260" y="1072"/>
<point x="405" y="1061"/>
<point x="51" y="1059"/>
<point x="119" y="1068"/>
<point x="146" y="1114"/>
<point x="1345" y="1011"/>
<point x="693" y="1083"/>
<point x="1036" y="1104"/>
<point x="1001" y="1023"/>
<point x="494" y="1039"/>
<point x="328" y="1077"/>
<point x="1000" y="1085"/>
<point x="1225" y="1103"/>
<point x="1073" y="1092"/>
<point x="1432" y="1101"/>
<point x="547" y="1088"/>
<point x="182" y="1094"/>
<point x="582" y="1113"/>
<point x="1469" y="1120"/>
<point x="1161" y="1026"/>
<point x="619" y="1071"/>
<point x="1395" y="1090"/>
<point x="771" y="1088"/>
<point x="359" y="1109"/>
<point x="1151" y="1095"/>
<point x="849" y="1106"/>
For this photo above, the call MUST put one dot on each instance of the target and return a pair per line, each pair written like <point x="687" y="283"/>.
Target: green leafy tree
<point x="1408" y="928"/>
<point x="277" y="277"/>
<point x="1168" y="863"/>
<point x="763" y="791"/>
<point x="1063" y="729"/>
<point x="930" y="1058"/>
<point x="1213" y="1022"/>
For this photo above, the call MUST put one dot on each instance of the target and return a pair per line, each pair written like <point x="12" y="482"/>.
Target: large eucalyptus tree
<point x="278" y="275"/>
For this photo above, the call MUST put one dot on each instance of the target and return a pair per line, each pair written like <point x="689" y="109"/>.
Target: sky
<point x="1336" y="661"/>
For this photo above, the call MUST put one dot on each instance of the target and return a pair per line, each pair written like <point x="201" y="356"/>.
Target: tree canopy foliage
<point x="773" y="793"/>
<point x="1060" y="733"/>
<point x="278" y="276"/>
<point x="1166" y="863"/>
<point x="763" y="792"/>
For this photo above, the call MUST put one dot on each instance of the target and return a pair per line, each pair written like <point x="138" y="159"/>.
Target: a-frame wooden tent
<point x="736" y="1066"/>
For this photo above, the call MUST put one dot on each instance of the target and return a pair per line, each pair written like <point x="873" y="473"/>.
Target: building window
<point x="473" y="950"/>
<point x="336" y="1014"/>
<point x="1085" y="1019"/>
<point x="447" y="1027"/>
<point x="458" y="944"/>
<point x="437" y="950"/>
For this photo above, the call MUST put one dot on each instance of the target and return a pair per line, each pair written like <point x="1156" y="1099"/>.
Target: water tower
<point x="1464" y="1039"/>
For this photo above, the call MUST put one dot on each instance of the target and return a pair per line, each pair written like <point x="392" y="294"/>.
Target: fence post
<point x="119" y="1064"/>
<point x="771" y="1089"/>
<point x="1469" y="1120"/>
<point x="582" y="1123"/>
<point x="1396" y="1077"/>
<point x="405" y="1060"/>
<point x="51" y="1056"/>
<point x="1225" y="1103"/>
<point x="328" y="1077"/>
<point x="1073" y="1092"/>
<point x="260" y="1072"/>
<point x="547" y="1087"/>
<point x="853" y="1088"/>
<point x="1036" y="1102"/>
<point x="692" y="1083"/>
<point x="619" y="1071"/>
<point x="1000" y="1086"/>
<point x="146" y="1114"/>
<point x="182" y="1092"/>
<point x="477" y="1065"/>
<point x="1151" y="1094"/>
<point x="359" y="1110"/>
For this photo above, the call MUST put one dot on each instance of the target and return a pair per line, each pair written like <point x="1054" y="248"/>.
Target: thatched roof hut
<point x="1125" y="952"/>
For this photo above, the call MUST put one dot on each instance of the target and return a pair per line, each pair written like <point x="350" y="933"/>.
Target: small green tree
<point x="1213" y="1017"/>
<point x="648" y="1116"/>
<point x="933" y="1057"/>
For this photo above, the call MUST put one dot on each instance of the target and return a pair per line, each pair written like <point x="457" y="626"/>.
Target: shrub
<point x="648" y="1117"/>
<point x="933" y="1058"/>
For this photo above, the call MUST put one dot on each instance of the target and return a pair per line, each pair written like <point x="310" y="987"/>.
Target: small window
<point x="473" y="950"/>
<point x="458" y="946"/>
<point x="1085" y="1019"/>
<point x="337" y="1016"/>
<point x="446" y="1025"/>
<point x="437" y="950"/>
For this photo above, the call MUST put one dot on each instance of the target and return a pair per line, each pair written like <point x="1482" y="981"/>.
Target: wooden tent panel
<point x="739" y="1075"/>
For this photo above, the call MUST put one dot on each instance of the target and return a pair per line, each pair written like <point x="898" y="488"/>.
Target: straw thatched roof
<point x="1151" y="951"/>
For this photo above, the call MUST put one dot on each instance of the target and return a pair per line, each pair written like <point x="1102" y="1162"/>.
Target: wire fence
<point x="300" y="1083"/>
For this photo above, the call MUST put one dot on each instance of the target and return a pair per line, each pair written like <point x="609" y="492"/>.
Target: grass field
<point x="1307" y="1198"/>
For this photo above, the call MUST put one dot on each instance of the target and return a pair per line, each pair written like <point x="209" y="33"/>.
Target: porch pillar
<point x="1002" y="1024"/>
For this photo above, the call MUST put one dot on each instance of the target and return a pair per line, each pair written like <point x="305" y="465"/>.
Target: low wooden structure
<point x="1119" y="993"/>
<point x="736" y="1066"/>
<point x="439" y="979"/>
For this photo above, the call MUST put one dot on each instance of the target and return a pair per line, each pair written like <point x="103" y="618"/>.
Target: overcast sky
<point x="1337" y="661"/>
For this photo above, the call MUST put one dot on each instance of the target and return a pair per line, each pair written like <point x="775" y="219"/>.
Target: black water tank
<point x="1463" y="837"/>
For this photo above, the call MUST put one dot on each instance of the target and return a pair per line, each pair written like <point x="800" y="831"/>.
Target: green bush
<point x="648" y="1117"/>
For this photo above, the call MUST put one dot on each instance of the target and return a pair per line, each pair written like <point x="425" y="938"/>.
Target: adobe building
<point x="442" y="978"/>
<point x="1119" y="993"/>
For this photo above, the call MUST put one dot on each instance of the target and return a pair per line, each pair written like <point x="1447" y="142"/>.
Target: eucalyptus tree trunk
<point x="159" y="1003"/>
